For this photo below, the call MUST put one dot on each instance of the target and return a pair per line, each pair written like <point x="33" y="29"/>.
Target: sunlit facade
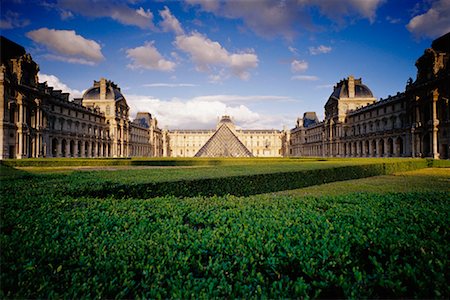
<point x="413" y="123"/>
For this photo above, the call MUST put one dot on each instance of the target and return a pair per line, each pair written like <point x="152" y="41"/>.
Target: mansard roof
<point x="112" y="91"/>
<point x="341" y="90"/>
<point x="224" y="143"/>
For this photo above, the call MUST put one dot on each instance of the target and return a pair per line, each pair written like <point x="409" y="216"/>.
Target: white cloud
<point x="305" y="78"/>
<point x="209" y="56"/>
<point x="299" y="66"/>
<point x="325" y="86"/>
<point x="319" y="50"/>
<point x="169" y="85"/>
<point x="393" y="20"/>
<point x="10" y="20"/>
<point x="66" y="15"/>
<point x="67" y="45"/>
<point x="57" y="84"/>
<point x="293" y="50"/>
<point x="203" y="112"/>
<point x="272" y="18"/>
<point x="266" y="18"/>
<point x="169" y="22"/>
<point x="337" y="10"/>
<point x="148" y="57"/>
<point x="433" y="23"/>
<point x="239" y="99"/>
<point x="116" y="10"/>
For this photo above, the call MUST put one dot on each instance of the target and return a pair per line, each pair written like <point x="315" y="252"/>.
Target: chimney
<point x="351" y="86"/>
<point x="102" y="89"/>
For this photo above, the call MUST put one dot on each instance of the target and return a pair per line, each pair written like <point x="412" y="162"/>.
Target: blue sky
<point x="263" y="62"/>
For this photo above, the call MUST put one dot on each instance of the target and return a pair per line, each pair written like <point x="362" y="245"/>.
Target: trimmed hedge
<point x="63" y="162"/>
<point x="241" y="185"/>
<point x="173" y="162"/>
<point x="353" y="246"/>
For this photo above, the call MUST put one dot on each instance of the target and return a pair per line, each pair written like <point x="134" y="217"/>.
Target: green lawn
<point x="379" y="237"/>
<point x="422" y="180"/>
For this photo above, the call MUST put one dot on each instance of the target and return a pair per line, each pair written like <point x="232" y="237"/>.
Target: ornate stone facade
<point x="38" y="121"/>
<point x="414" y="123"/>
<point x="227" y="141"/>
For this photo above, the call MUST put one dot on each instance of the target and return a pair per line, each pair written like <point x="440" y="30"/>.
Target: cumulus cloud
<point x="305" y="77"/>
<point x="148" y="57"/>
<point x="336" y="10"/>
<point x="193" y="114"/>
<point x="57" y="84"/>
<point x="239" y="99"/>
<point x="299" y="65"/>
<point x="169" y="22"/>
<point x="266" y="18"/>
<point x="293" y="50"/>
<point x="203" y="112"/>
<point x="273" y="18"/>
<point x="10" y="20"/>
<point x="68" y="46"/>
<point x="434" y="22"/>
<point x="319" y="50"/>
<point x="210" y="56"/>
<point x="114" y="9"/>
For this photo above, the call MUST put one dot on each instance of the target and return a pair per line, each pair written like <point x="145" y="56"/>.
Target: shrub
<point x="352" y="246"/>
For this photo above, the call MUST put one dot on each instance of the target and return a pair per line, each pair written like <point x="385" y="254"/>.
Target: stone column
<point x="67" y="148"/>
<point x="82" y="154"/>
<point x="386" y="147"/>
<point x="75" y="148"/>
<point x="89" y="152"/>
<point x="59" y="149"/>
<point x="434" y="133"/>
<point x="95" y="149"/>
<point x="20" y="145"/>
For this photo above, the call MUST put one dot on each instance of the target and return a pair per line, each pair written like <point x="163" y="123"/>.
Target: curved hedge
<point x="241" y="185"/>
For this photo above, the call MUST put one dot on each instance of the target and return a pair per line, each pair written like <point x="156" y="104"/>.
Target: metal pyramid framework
<point x="224" y="143"/>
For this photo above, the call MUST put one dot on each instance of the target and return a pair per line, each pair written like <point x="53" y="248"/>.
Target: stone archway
<point x="63" y="148"/>
<point x="366" y="148"/>
<point x="381" y="147"/>
<point x="54" y="147"/>
<point x="399" y="147"/>
<point x="72" y="149"/>
<point x="390" y="147"/>
<point x="374" y="148"/>
<point x="426" y="145"/>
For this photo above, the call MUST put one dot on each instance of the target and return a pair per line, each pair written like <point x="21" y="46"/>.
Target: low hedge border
<point x="68" y="162"/>
<point x="243" y="185"/>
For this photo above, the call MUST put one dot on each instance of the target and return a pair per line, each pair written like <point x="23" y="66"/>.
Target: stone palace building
<point x="226" y="141"/>
<point x="38" y="121"/>
<point x="413" y="123"/>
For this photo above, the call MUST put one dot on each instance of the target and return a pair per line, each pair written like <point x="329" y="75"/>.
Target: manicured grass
<point x="237" y="179"/>
<point x="422" y="180"/>
<point x="158" y="170"/>
<point x="351" y="239"/>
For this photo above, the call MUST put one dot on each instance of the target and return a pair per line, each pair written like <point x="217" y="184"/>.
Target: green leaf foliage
<point x="357" y="246"/>
<point x="81" y="236"/>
